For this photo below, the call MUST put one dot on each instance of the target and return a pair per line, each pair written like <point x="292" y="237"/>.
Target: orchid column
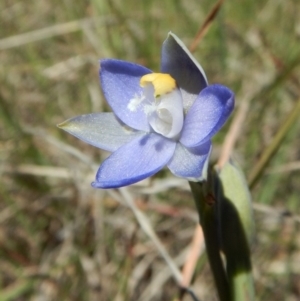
<point x="158" y="119"/>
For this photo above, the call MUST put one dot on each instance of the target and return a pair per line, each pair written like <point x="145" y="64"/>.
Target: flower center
<point x="162" y="103"/>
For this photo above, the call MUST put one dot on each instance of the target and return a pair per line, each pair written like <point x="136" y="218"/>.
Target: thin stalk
<point x="207" y="215"/>
<point x="274" y="145"/>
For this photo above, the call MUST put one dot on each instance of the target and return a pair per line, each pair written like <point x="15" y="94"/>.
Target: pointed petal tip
<point x="98" y="185"/>
<point x="62" y="125"/>
<point x="173" y="35"/>
<point x="66" y="125"/>
<point x="109" y="184"/>
<point x="170" y="33"/>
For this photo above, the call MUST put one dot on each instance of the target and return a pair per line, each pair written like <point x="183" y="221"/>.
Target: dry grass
<point x="62" y="240"/>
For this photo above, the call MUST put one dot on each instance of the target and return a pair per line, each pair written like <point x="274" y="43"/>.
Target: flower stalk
<point x="208" y="220"/>
<point x="225" y="212"/>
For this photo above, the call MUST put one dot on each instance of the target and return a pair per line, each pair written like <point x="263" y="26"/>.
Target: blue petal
<point x="102" y="130"/>
<point x="207" y="115"/>
<point x="191" y="163"/>
<point x="120" y="83"/>
<point x="135" y="161"/>
<point x="177" y="60"/>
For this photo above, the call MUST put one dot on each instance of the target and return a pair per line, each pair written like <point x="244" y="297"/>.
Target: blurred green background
<point x="62" y="240"/>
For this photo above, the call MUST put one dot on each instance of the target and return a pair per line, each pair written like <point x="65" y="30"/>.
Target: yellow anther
<point x="163" y="83"/>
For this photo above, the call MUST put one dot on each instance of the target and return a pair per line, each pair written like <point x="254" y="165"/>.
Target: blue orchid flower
<point x="159" y="119"/>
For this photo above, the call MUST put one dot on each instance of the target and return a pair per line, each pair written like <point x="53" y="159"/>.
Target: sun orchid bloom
<point x="159" y="119"/>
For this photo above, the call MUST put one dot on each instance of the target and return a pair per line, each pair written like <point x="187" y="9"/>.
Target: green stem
<point x="207" y="215"/>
